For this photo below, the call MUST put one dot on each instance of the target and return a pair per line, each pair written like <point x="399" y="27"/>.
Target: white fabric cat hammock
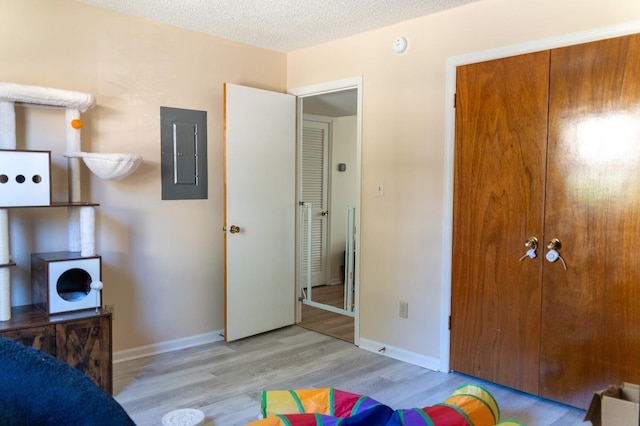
<point x="110" y="166"/>
<point x="81" y="221"/>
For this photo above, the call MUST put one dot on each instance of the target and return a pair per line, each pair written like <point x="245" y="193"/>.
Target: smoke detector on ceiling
<point x="400" y="45"/>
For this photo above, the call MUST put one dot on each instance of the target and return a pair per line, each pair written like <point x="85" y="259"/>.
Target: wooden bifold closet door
<point x="500" y="157"/>
<point x="548" y="146"/>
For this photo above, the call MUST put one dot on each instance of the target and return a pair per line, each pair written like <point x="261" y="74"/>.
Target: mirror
<point x="327" y="196"/>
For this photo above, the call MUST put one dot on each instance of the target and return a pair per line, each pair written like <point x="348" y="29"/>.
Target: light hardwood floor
<point x="326" y="322"/>
<point x="225" y="380"/>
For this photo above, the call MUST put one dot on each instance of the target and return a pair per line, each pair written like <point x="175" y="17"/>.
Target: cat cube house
<point x="25" y="178"/>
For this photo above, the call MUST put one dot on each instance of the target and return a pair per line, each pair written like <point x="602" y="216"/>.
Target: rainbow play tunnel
<point x="468" y="405"/>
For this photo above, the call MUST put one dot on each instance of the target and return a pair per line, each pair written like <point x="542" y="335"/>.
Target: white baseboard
<point x="168" y="346"/>
<point x="216" y="336"/>
<point x="429" y="363"/>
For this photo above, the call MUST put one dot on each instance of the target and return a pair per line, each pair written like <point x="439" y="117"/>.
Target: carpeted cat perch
<point x="469" y="405"/>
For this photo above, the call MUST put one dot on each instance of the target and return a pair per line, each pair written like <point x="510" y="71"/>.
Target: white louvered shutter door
<point x="314" y="190"/>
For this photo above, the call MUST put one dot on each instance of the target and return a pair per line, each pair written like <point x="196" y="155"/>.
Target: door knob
<point x="554" y="244"/>
<point x="532" y="244"/>
<point x="234" y="229"/>
<point x="325" y="213"/>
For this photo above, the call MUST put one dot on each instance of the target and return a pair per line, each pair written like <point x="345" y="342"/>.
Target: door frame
<point x="449" y="143"/>
<point x="319" y="89"/>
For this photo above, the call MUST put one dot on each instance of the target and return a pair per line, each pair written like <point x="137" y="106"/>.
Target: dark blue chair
<point x="38" y="389"/>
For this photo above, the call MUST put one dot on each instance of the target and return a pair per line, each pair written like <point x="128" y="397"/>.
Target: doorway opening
<point x="328" y="208"/>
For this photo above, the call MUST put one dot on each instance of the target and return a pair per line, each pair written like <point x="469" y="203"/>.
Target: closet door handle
<point x="554" y="244"/>
<point x="532" y="244"/>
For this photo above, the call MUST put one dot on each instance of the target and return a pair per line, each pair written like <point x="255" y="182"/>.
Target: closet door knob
<point x="554" y="244"/>
<point x="531" y="242"/>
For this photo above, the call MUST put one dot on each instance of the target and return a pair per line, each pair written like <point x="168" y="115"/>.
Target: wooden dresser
<point x="82" y="339"/>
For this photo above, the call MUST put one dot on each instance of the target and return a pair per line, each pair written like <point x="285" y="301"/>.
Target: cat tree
<point x="81" y="218"/>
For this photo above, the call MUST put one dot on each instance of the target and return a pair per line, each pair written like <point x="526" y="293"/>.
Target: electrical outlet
<point x="404" y="309"/>
<point x="112" y="309"/>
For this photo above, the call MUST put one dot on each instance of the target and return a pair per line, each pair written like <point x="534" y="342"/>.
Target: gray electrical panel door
<point x="183" y="160"/>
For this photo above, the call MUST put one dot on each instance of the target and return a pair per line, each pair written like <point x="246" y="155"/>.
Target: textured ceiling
<point x="282" y="25"/>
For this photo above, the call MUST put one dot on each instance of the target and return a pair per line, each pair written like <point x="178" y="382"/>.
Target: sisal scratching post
<point x="74" y="124"/>
<point x="73" y="225"/>
<point x="87" y="231"/>
<point x="5" y="295"/>
<point x="7" y="141"/>
<point x="4" y="237"/>
<point x="5" y="287"/>
<point x="7" y="125"/>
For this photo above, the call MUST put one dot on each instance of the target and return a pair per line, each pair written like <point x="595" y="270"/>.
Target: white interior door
<point x="260" y="202"/>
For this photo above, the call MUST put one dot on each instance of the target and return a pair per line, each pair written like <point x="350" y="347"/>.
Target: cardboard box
<point x="615" y="406"/>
